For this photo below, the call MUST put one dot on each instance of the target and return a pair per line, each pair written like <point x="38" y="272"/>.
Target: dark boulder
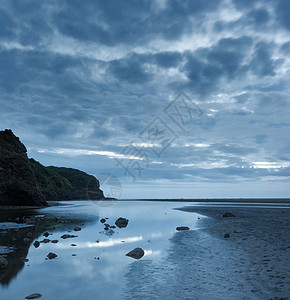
<point x="33" y="296"/>
<point x="122" y="222"/>
<point x="51" y="255"/>
<point x="228" y="215"/>
<point x="180" y="228"/>
<point x="137" y="253"/>
<point x="36" y="244"/>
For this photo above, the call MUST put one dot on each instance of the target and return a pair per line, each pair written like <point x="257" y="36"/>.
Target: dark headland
<point x="26" y="182"/>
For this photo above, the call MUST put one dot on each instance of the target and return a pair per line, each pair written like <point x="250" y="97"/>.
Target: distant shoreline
<point x="212" y="200"/>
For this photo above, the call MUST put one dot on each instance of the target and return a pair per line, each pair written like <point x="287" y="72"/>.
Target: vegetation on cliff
<point x="25" y="181"/>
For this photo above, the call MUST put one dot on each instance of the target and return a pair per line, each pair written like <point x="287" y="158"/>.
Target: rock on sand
<point x="33" y="296"/>
<point x="180" y="228"/>
<point x="228" y="215"/>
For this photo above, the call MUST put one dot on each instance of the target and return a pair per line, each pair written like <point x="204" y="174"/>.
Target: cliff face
<point x="65" y="183"/>
<point x="25" y="181"/>
<point x="18" y="184"/>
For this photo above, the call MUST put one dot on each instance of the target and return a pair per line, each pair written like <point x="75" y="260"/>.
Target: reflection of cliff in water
<point x="17" y="238"/>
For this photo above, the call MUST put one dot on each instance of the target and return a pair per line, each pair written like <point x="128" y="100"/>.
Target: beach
<point x="199" y="263"/>
<point x="252" y="263"/>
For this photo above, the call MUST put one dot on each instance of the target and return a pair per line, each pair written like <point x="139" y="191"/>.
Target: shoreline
<point x="212" y="201"/>
<point x="254" y="256"/>
<point x="218" y="200"/>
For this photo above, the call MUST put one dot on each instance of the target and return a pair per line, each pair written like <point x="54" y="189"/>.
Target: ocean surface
<point x="94" y="264"/>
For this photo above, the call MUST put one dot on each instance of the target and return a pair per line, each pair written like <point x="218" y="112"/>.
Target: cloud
<point x="94" y="74"/>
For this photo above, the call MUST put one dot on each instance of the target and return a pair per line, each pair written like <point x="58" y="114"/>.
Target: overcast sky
<point x="174" y="98"/>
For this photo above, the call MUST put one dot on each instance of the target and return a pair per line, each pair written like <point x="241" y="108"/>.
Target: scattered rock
<point x="33" y="296"/>
<point x="3" y="263"/>
<point x="137" y="253"/>
<point x="227" y="235"/>
<point x="113" y="226"/>
<point x="77" y="229"/>
<point x="36" y="244"/>
<point x="45" y="241"/>
<point x="228" y="215"/>
<point x="180" y="228"/>
<point x="26" y="259"/>
<point x="51" y="255"/>
<point x="46" y="234"/>
<point x="73" y="255"/>
<point x="103" y="220"/>
<point x="73" y="245"/>
<point x="66" y="236"/>
<point x="122" y="222"/>
<point x="54" y="241"/>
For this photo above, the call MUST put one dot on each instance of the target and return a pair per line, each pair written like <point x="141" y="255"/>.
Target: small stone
<point x="136" y="253"/>
<point x="228" y="215"/>
<point x="46" y="234"/>
<point x="73" y="255"/>
<point x="45" y="241"/>
<point x="51" y="255"/>
<point x="54" y="241"/>
<point x="113" y="226"/>
<point x="33" y="296"/>
<point x="77" y="229"/>
<point x="103" y="220"/>
<point x="36" y="244"/>
<point x="73" y="245"/>
<point x="66" y="236"/>
<point x="227" y="235"/>
<point x="180" y="228"/>
<point x="122" y="222"/>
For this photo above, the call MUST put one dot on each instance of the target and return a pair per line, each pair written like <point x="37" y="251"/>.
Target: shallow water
<point x="151" y="225"/>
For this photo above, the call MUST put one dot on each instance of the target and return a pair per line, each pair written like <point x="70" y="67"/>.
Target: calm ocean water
<point x="96" y="267"/>
<point x="84" y="276"/>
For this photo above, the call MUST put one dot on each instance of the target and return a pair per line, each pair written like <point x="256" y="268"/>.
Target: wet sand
<point x="253" y="263"/>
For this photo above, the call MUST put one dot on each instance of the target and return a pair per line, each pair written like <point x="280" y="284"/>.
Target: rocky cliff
<point x="25" y="181"/>
<point x="66" y="183"/>
<point x="18" y="185"/>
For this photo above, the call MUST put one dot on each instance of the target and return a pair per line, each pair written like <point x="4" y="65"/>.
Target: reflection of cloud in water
<point x="152" y="252"/>
<point x="82" y="268"/>
<point x="102" y="244"/>
<point x="156" y="234"/>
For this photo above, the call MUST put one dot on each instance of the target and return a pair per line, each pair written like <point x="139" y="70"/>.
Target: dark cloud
<point x="129" y="70"/>
<point x="285" y="48"/>
<point x="93" y="74"/>
<point x="207" y="66"/>
<point x="282" y="11"/>
<point x="262" y="63"/>
<point x="259" y="16"/>
<point x="168" y="59"/>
